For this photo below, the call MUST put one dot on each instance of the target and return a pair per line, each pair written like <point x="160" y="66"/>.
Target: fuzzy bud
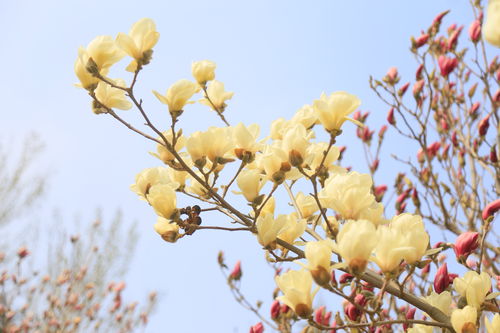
<point x="441" y="280"/>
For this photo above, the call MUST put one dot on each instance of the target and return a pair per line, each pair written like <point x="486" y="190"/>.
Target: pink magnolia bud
<point x="236" y="272"/>
<point x="410" y="314"/>
<point x="119" y="286"/>
<point x="392" y="76"/>
<point x="284" y="308"/>
<point x="491" y="209"/>
<point x="475" y="31"/>
<point x="257" y="328"/>
<point x="352" y="312"/>
<point x="437" y="20"/>
<point x="366" y="286"/>
<point x="382" y="131"/>
<point x="321" y="317"/>
<point x="473" y="109"/>
<point x="356" y="115"/>
<point x="447" y="65"/>
<point x="420" y="156"/>
<point x="403" y="89"/>
<point x="275" y="309"/>
<point x="421" y="40"/>
<point x="496" y="96"/>
<point x="451" y="277"/>
<point x="452" y="42"/>
<point x="417" y="88"/>
<point x="451" y="28"/>
<point x="418" y="73"/>
<point x="345" y="278"/>
<point x="22" y="252"/>
<point x="433" y="149"/>
<point x="441" y="280"/>
<point x="465" y="244"/>
<point x="390" y="117"/>
<point x="454" y="139"/>
<point x="483" y="126"/>
<point x="493" y="154"/>
<point x="360" y="299"/>
<point x="379" y="192"/>
<point x="374" y="165"/>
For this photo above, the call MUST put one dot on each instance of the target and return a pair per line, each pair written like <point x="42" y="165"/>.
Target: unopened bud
<point x="491" y="209"/>
<point x="441" y="280"/>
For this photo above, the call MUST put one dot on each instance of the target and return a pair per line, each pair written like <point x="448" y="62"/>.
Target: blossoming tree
<point x="338" y="237"/>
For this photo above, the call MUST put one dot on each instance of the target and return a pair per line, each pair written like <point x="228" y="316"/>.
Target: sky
<point x="275" y="55"/>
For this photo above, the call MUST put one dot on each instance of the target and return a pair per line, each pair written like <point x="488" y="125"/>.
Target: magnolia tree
<point x="337" y="239"/>
<point x="76" y="289"/>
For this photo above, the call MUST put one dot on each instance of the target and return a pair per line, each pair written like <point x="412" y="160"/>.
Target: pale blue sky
<point x="275" y="55"/>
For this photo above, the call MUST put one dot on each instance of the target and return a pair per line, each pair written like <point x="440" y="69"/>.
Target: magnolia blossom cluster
<point x="338" y="224"/>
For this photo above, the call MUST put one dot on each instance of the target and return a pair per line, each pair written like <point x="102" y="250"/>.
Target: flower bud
<point x="203" y="71"/>
<point x="465" y="244"/>
<point x="491" y="209"/>
<point x="447" y="65"/>
<point x="390" y="117"/>
<point x="352" y="312"/>
<point x="403" y="89"/>
<point x="483" y="126"/>
<point x="441" y="280"/>
<point x="475" y="31"/>
<point x="257" y="328"/>
<point x="22" y="252"/>
<point x="275" y="309"/>
<point x="236" y="272"/>
<point x="410" y="314"/>
<point x="392" y="76"/>
<point x="421" y="40"/>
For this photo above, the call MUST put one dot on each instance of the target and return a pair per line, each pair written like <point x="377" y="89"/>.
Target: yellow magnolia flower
<point x="139" y="42"/>
<point x="464" y="320"/>
<point x="198" y="189"/>
<point x="414" y="234"/>
<point x="441" y="301"/>
<point x="268" y="207"/>
<point x="355" y="242"/>
<point x="374" y="213"/>
<point x="333" y="110"/>
<point x="268" y="229"/>
<point x="163" y="200"/>
<point x="203" y="71"/>
<point x="178" y="95"/>
<point x="112" y="98"/>
<point x="494" y="325"/>
<point x="214" y="144"/>
<point x="296" y="288"/>
<point x="473" y="287"/>
<point x="318" y="255"/>
<point x="147" y="178"/>
<point x="277" y="128"/>
<point x="274" y="162"/>
<point x="491" y="27"/>
<point x="293" y="229"/>
<point x="305" y="116"/>
<point x="104" y="53"/>
<point x="163" y="153"/>
<point x="295" y="143"/>
<point x="250" y="183"/>
<point x="348" y="194"/>
<point x="245" y="140"/>
<point x="307" y="205"/>
<point x="217" y="95"/>
<point x="390" y="249"/>
<point x="167" y="229"/>
<point x="315" y="155"/>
